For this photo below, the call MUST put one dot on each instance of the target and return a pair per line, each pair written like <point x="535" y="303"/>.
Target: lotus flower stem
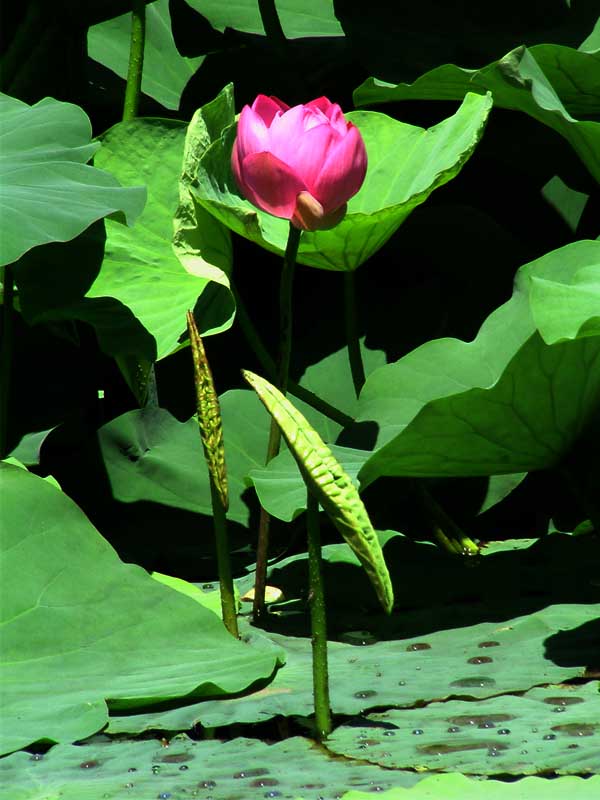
<point x="352" y="339"/>
<point x="136" y="60"/>
<point x="302" y="393"/>
<point x="283" y="368"/>
<point x="211" y="434"/>
<point x="447" y="532"/>
<point x="6" y="353"/>
<point x="318" y="620"/>
<point x="272" y="24"/>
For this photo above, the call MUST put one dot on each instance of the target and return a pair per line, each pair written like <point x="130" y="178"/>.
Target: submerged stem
<point x="283" y="368"/>
<point x="318" y="620"/>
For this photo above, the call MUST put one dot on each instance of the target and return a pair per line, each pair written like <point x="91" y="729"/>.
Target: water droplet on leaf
<point x="563" y="701"/>
<point x="477" y="681"/>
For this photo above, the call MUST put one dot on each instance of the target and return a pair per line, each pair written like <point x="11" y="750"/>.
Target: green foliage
<point x="459" y="787"/>
<point x="210" y="598"/>
<point x="494" y="399"/>
<point x="221" y="770"/>
<point x="548" y="82"/>
<point x="141" y="270"/>
<point x="505" y="402"/>
<point x="513" y="734"/>
<point x="165" y="73"/>
<point x="150" y="455"/>
<point x="372" y="673"/>
<point x="49" y="192"/>
<point x="298" y="17"/>
<point x="329" y="483"/>
<point x="406" y="164"/>
<point x="80" y="627"/>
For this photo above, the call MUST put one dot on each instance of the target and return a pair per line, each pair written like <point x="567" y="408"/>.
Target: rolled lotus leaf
<point x="209" y="414"/>
<point x="330" y="484"/>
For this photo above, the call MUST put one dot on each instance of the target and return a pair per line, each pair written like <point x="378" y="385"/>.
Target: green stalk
<point x="133" y="90"/>
<point x="283" y="368"/>
<point x="223" y="561"/>
<point x="352" y="338"/>
<point x="211" y="433"/>
<point x="318" y="620"/>
<point x="254" y="341"/>
<point x="6" y="353"/>
<point x="272" y="24"/>
<point x="447" y="532"/>
<point x="136" y="60"/>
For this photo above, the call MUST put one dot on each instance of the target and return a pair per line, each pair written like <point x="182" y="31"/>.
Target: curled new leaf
<point x="327" y="480"/>
<point x="209" y="414"/>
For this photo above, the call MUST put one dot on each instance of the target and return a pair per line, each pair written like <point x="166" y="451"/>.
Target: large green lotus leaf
<point x="240" y="769"/>
<point x="405" y="671"/>
<point x="504" y="403"/>
<point x="165" y="72"/>
<point x="567" y="311"/>
<point x="282" y="491"/>
<point x="142" y="270"/>
<point x="556" y="570"/>
<point x="543" y="81"/>
<point x="150" y="455"/>
<point x="49" y="193"/>
<point x="280" y="486"/>
<point x="299" y="18"/>
<point x="513" y="734"/>
<point x="79" y="627"/>
<point x="406" y="164"/>
<point x="456" y="786"/>
<point x="592" y="42"/>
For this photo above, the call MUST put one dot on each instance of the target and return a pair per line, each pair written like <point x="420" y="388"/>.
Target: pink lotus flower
<point x="302" y="163"/>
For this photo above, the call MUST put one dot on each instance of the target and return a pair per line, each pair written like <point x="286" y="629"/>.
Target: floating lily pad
<point x="550" y="729"/>
<point x="402" y="672"/>
<point x="458" y="787"/>
<point x="241" y="769"/>
<point x="80" y="628"/>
